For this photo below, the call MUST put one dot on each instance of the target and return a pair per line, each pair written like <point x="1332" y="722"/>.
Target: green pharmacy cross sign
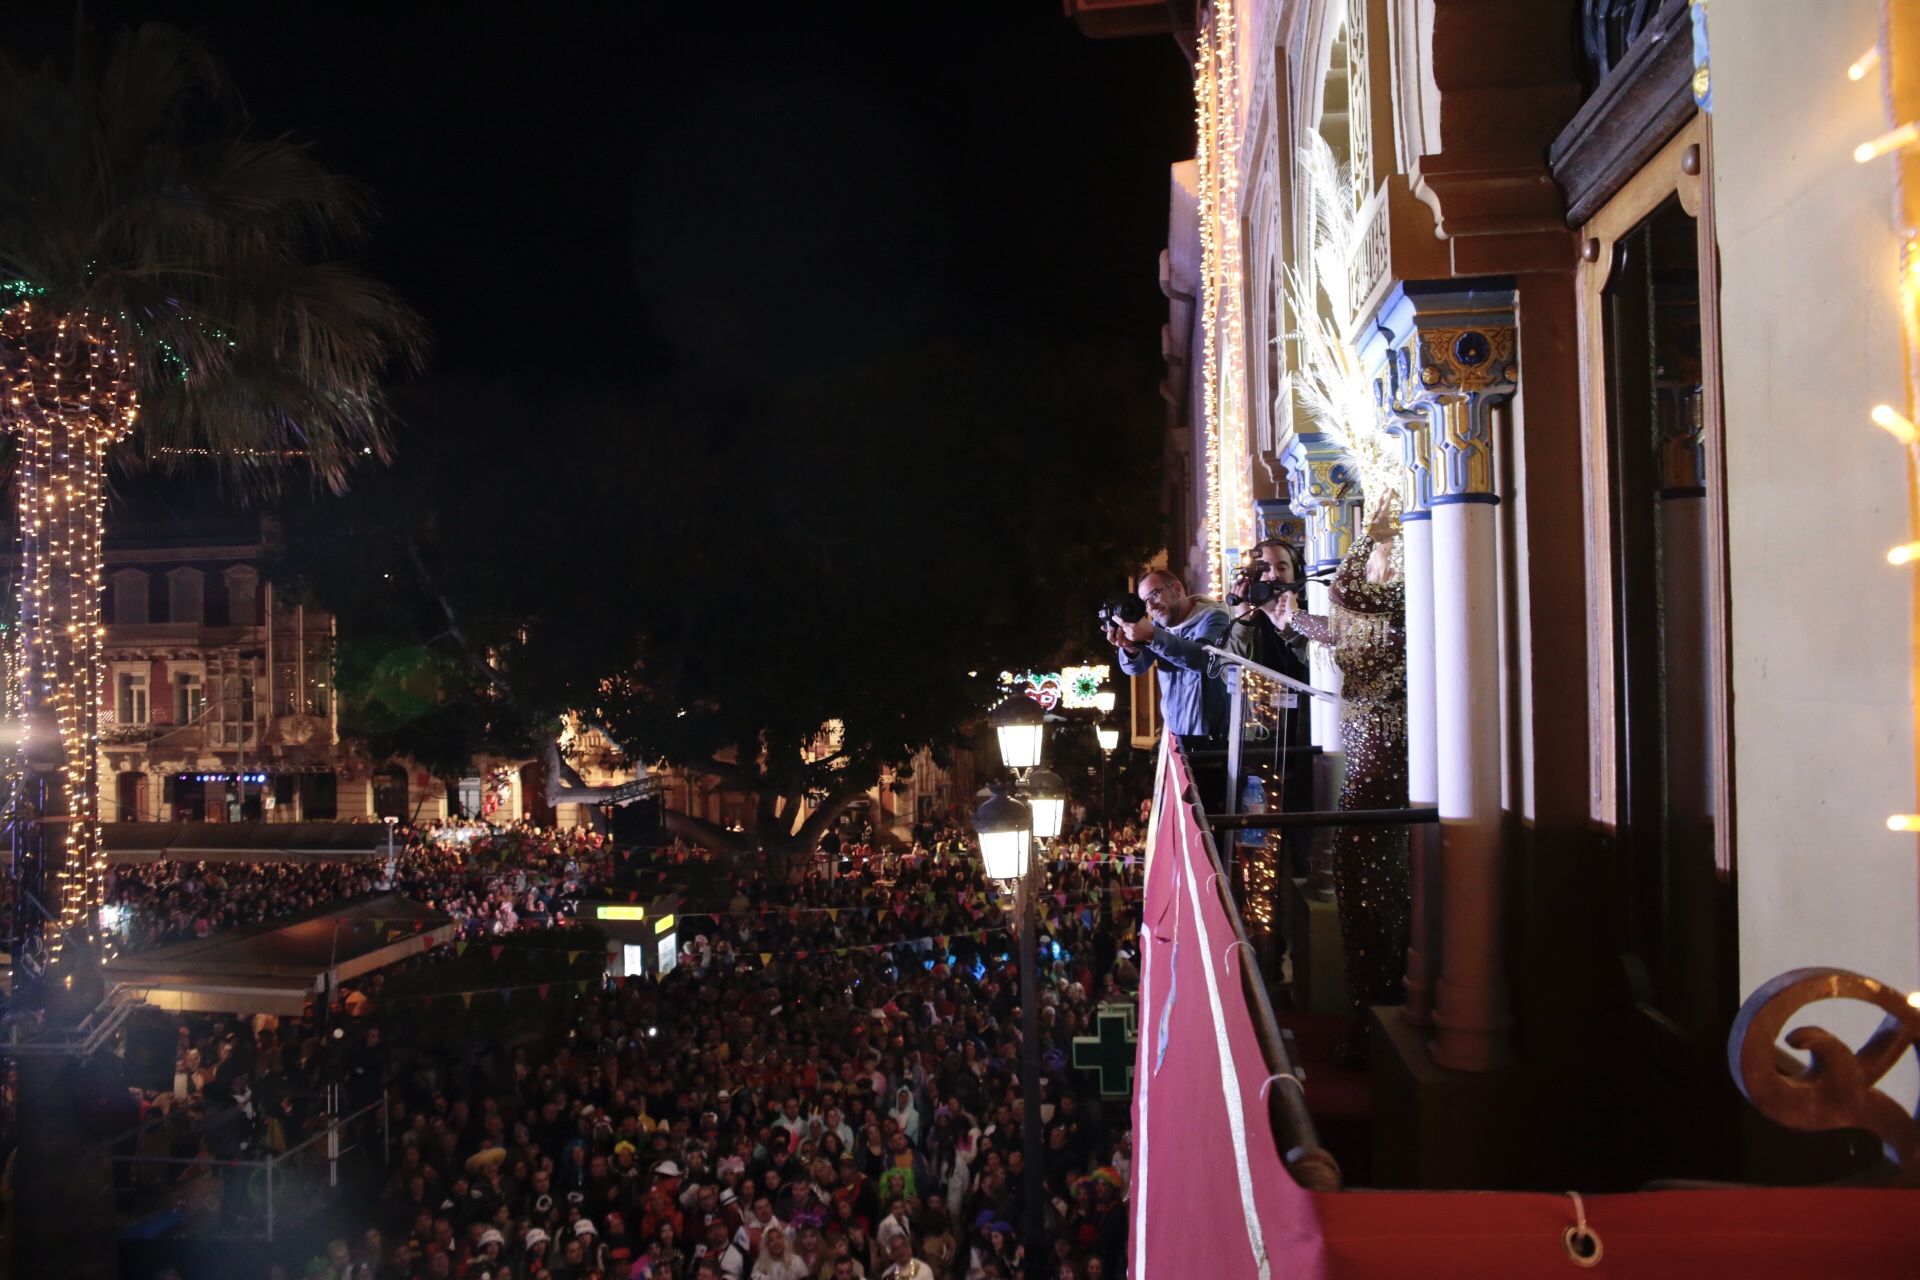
<point x="1111" y="1050"/>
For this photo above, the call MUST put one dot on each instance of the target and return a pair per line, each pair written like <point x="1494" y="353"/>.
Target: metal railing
<point x="1312" y="1165"/>
<point x="279" y="1173"/>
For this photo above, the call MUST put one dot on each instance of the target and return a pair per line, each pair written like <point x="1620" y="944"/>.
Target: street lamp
<point x="1020" y="725"/>
<point x="1108" y="732"/>
<point x="1046" y="795"/>
<point x="1006" y="829"/>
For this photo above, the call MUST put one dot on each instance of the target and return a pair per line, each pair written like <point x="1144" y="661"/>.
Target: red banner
<point x="1211" y="1196"/>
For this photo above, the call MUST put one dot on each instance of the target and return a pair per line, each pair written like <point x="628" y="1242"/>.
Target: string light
<point x="1892" y="140"/>
<point x="1913" y="998"/>
<point x="1865" y="63"/>
<point x="66" y="394"/>
<point x="1205" y="163"/>
<point x="172" y="451"/>
<point x="1904" y="822"/>
<point x="1896" y="423"/>
<point x="1229" y="516"/>
<point x="1904" y="554"/>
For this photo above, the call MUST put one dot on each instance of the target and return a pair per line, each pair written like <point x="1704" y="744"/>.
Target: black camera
<point x="1256" y="588"/>
<point x="1122" y="609"/>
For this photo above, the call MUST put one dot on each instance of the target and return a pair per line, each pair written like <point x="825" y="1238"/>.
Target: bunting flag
<point x="582" y="984"/>
<point x="460" y="947"/>
<point x="572" y="956"/>
<point x="497" y="952"/>
<point x="506" y="995"/>
<point x="766" y="957"/>
<point x="544" y="988"/>
<point x="466" y="998"/>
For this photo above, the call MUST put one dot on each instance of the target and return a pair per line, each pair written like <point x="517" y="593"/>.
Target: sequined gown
<point x="1367" y="632"/>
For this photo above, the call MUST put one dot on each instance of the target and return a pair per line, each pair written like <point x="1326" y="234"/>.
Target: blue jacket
<point x="1193" y="702"/>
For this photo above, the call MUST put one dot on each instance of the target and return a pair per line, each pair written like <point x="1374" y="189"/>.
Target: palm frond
<point x="132" y="192"/>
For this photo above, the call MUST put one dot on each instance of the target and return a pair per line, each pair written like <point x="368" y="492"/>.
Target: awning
<point x="243" y="841"/>
<point x="280" y="966"/>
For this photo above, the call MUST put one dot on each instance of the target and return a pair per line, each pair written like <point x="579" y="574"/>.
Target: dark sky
<point x="592" y="193"/>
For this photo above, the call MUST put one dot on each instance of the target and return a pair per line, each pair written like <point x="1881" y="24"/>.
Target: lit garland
<point x="1237" y="485"/>
<point x="68" y="394"/>
<point x="1204" y="162"/>
<point x="1229" y="516"/>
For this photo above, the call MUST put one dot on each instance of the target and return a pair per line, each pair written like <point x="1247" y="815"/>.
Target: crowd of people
<point x="827" y="1085"/>
<point x="491" y="880"/>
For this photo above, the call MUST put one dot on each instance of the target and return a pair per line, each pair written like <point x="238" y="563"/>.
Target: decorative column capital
<point x="1323" y="484"/>
<point x="1442" y="356"/>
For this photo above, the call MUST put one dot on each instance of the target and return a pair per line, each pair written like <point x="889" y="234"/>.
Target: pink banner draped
<point x="1211" y="1196"/>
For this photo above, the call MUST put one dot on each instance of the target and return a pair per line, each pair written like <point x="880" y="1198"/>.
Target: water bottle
<point x="1253" y="799"/>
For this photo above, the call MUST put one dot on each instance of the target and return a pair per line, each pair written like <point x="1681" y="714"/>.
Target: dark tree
<point x="716" y="575"/>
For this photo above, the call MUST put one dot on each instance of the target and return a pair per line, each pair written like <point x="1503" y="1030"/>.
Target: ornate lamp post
<point x="1007" y="829"/>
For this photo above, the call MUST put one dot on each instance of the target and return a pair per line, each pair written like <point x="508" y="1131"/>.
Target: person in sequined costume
<point x="1366" y="630"/>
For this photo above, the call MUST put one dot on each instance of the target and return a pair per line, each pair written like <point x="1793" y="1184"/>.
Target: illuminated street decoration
<point x="66" y="394"/>
<point x="1070" y="688"/>
<point x="1080" y="686"/>
<point x="1216" y="88"/>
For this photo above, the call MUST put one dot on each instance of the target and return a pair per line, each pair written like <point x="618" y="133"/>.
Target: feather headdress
<point x="1333" y="386"/>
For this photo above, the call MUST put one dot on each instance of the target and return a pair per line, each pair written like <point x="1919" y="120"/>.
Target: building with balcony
<point x="216" y="696"/>
<point x="1623" y="294"/>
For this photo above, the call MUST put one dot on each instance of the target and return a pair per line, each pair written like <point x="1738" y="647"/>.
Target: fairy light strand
<point x="67" y="394"/>
<point x="1205" y="162"/>
<point x="1229" y="478"/>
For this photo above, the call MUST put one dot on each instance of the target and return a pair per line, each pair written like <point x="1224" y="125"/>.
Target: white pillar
<point x="1423" y="777"/>
<point x="1470" y="998"/>
<point x="1323" y="673"/>
<point x="1463" y="373"/>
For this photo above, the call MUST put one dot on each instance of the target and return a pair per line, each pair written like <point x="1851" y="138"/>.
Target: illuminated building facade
<point x="1624" y="295"/>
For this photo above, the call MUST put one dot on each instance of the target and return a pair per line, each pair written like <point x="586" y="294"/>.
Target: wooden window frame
<point x="1682" y="170"/>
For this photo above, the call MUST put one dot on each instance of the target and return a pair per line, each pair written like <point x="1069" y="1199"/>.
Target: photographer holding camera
<point x="1270" y="578"/>
<point x="1166" y="631"/>
<point x="1272" y="570"/>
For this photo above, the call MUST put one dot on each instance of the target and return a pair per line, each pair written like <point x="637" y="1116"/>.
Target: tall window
<point x="130" y="697"/>
<point x="189" y="697"/>
<point x="186" y="596"/>
<point x="130" y="597"/>
<point x="242" y="592"/>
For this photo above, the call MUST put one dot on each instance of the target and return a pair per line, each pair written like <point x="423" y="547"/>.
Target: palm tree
<point x="172" y="289"/>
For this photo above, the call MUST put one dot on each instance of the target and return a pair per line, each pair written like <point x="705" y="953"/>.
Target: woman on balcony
<point x="1366" y="630"/>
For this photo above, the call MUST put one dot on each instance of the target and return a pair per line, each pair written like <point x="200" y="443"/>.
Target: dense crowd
<point x="827" y="1086"/>
<point x="491" y="880"/>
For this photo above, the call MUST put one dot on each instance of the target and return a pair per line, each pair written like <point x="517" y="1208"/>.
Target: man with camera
<point x="1272" y="576"/>
<point x="1167" y="630"/>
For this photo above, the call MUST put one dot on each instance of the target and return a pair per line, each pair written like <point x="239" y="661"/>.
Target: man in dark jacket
<point x="1255" y="637"/>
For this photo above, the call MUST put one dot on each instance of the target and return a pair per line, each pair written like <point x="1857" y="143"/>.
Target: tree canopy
<point x="715" y="573"/>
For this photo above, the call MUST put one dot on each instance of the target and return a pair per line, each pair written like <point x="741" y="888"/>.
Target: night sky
<point x="580" y="195"/>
